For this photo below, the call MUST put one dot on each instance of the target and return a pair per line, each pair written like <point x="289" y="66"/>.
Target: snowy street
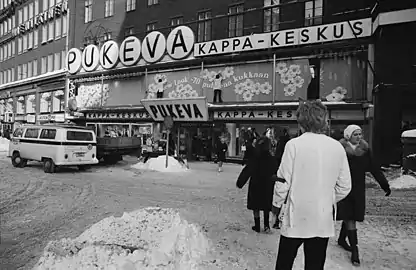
<point x="36" y="208"/>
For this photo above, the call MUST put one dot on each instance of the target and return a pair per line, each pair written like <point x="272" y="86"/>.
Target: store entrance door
<point x="196" y="142"/>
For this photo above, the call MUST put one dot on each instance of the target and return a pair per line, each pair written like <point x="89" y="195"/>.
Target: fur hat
<point x="350" y="130"/>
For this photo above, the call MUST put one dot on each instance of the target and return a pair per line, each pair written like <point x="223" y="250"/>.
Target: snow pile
<point x="402" y="182"/>
<point x="4" y="144"/>
<point x="151" y="238"/>
<point x="159" y="163"/>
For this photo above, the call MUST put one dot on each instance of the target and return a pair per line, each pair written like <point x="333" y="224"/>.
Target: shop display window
<point x="21" y="104"/>
<point x="58" y="101"/>
<point x="30" y="104"/>
<point x="45" y="102"/>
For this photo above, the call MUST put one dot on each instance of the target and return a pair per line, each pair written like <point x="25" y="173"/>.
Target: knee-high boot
<point x="256" y="226"/>
<point x="353" y="239"/>
<point x="342" y="239"/>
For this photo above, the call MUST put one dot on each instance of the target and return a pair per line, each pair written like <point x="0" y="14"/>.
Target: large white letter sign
<point x="109" y="54"/>
<point x="90" y="58"/>
<point x="180" y="42"/>
<point x="130" y="51"/>
<point x="73" y="60"/>
<point x="153" y="47"/>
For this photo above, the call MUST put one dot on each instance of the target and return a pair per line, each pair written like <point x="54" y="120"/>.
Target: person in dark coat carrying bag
<point x="260" y="171"/>
<point x="352" y="208"/>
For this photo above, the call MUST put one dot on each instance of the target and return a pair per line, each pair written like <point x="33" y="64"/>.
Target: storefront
<point x="38" y="100"/>
<point x="252" y="89"/>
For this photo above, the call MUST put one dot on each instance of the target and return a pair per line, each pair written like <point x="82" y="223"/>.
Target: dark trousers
<point x="217" y="96"/>
<point x="314" y="250"/>
<point x="159" y="94"/>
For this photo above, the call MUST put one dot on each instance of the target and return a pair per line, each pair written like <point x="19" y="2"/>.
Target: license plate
<point x="80" y="154"/>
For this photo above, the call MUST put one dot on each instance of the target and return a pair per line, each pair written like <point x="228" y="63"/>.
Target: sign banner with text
<point x="192" y="109"/>
<point x="291" y="37"/>
<point x="255" y="115"/>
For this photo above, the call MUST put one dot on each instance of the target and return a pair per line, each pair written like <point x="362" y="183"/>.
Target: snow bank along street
<point x="86" y="213"/>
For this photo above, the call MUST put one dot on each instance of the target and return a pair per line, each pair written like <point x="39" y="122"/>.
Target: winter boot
<point x="276" y="224"/>
<point x="266" y="221"/>
<point x="353" y="239"/>
<point x="256" y="226"/>
<point x="342" y="239"/>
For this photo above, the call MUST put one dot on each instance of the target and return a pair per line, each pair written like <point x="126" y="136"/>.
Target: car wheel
<point x="16" y="159"/>
<point x="49" y="166"/>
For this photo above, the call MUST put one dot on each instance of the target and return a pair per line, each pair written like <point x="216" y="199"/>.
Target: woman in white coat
<point x="315" y="168"/>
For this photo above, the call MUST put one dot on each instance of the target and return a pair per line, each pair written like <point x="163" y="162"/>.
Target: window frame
<point x="315" y="19"/>
<point x="236" y="16"/>
<point x="207" y="36"/>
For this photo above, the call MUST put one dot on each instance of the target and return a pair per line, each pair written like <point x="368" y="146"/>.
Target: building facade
<point x="394" y="93"/>
<point x="250" y="61"/>
<point x="33" y="45"/>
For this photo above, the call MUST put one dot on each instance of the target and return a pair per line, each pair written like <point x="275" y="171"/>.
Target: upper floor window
<point x="88" y="11"/>
<point x="176" y="21"/>
<point x="129" y="31"/>
<point x="313" y="12"/>
<point x="109" y="8"/>
<point x="271" y="15"/>
<point x="151" y="26"/>
<point x="204" y="26"/>
<point x="152" y="2"/>
<point x="235" y="21"/>
<point x="130" y="5"/>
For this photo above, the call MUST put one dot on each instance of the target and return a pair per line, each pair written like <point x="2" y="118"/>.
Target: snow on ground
<point x="159" y="164"/>
<point x="150" y="238"/>
<point x="38" y="208"/>
<point x="4" y="144"/>
<point x="403" y="182"/>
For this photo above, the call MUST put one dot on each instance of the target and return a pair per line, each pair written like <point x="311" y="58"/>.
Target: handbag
<point x="284" y="208"/>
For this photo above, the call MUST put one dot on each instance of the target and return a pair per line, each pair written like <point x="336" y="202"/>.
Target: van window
<point x="18" y="133"/>
<point x="79" y="136"/>
<point x="32" y="133"/>
<point x="48" y="134"/>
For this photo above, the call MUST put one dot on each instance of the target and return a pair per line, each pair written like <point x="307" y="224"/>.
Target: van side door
<point x="31" y="147"/>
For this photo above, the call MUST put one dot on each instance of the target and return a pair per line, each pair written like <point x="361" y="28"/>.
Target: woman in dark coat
<point x="222" y="148"/>
<point x="260" y="171"/>
<point x="352" y="208"/>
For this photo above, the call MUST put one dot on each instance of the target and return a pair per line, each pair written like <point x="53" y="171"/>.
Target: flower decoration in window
<point x="290" y="77"/>
<point x="46" y="96"/>
<point x="59" y="93"/>
<point x="21" y="99"/>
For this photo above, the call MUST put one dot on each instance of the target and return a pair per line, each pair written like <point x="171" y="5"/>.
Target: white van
<point x="54" y="145"/>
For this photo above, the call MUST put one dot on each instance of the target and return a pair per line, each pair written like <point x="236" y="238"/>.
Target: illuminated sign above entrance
<point x="255" y="115"/>
<point x="292" y="37"/>
<point x="182" y="110"/>
<point x="178" y="45"/>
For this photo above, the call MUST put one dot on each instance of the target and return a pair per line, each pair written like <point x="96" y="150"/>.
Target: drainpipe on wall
<point x="274" y="78"/>
<point x="37" y="98"/>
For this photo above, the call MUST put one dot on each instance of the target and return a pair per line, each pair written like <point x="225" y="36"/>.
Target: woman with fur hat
<point x="352" y="208"/>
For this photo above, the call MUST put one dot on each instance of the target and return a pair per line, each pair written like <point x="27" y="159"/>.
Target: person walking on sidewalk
<point x="222" y="148"/>
<point x="260" y="172"/>
<point x="317" y="176"/>
<point x="352" y="208"/>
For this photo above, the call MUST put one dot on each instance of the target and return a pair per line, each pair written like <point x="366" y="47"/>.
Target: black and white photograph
<point x="205" y="135"/>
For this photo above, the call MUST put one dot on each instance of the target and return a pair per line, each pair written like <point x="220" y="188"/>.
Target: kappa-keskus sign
<point x="178" y="45"/>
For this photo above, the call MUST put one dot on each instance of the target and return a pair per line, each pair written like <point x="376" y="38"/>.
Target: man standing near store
<point x="218" y="88"/>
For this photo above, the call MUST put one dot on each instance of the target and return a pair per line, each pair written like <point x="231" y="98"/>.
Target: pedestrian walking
<point x="222" y="148"/>
<point x="260" y="172"/>
<point x="352" y="208"/>
<point x="280" y="147"/>
<point x="316" y="173"/>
